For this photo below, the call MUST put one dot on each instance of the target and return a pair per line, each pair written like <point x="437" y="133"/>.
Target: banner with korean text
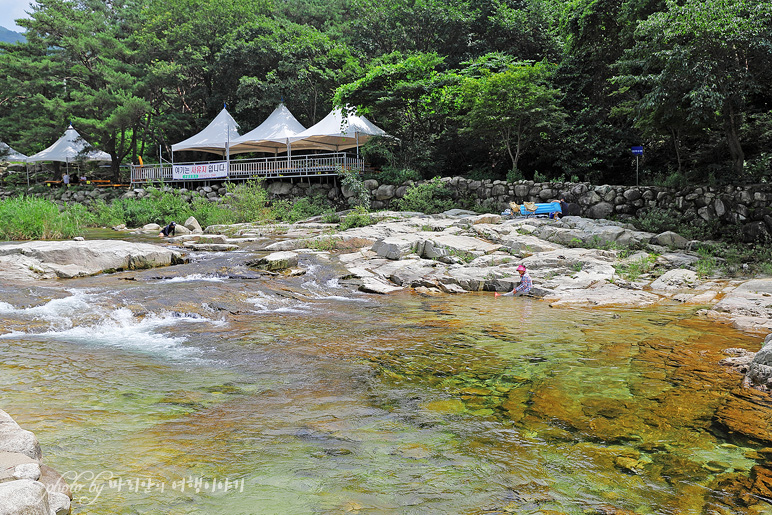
<point x="200" y="171"/>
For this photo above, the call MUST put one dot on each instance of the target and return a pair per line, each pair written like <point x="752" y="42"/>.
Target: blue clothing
<point x="525" y="284"/>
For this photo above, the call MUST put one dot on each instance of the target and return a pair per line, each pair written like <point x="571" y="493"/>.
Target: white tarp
<point x="68" y="148"/>
<point x="270" y="136"/>
<point x="9" y="154"/>
<point x="215" y="138"/>
<point x="336" y="132"/>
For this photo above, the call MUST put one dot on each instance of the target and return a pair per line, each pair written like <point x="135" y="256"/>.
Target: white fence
<point x="314" y="165"/>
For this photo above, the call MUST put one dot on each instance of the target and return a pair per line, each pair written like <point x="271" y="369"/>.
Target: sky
<point x="10" y="10"/>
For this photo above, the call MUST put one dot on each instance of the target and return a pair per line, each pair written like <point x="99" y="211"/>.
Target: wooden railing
<point x="313" y="165"/>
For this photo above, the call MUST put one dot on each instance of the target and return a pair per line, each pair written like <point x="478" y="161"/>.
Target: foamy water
<point x="83" y="318"/>
<point x="194" y="278"/>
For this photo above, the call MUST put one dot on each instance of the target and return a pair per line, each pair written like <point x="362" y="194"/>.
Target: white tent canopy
<point x="337" y="132"/>
<point x="68" y="149"/>
<point x="9" y="154"/>
<point x="273" y="135"/>
<point x="215" y="138"/>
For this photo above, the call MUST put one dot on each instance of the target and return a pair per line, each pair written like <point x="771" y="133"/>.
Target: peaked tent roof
<point x="270" y="136"/>
<point x="69" y="148"/>
<point x="336" y="132"/>
<point x="215" y="138"/>
<point x="11" y="155"/>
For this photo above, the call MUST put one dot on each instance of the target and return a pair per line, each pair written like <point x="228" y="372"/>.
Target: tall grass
<point x="28" y="218"/>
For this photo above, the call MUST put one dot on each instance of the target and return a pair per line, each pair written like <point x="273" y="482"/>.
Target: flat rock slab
<point x="66" y="259"/>
<point x="748" y="307"/>
<point x="603" y="295"/>
<point x="373" y="285"/>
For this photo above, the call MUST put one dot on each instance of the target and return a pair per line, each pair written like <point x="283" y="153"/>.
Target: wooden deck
<point x="316" y="165"/>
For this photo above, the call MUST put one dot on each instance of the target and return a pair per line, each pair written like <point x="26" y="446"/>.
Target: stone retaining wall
<point x="747" y="207"/>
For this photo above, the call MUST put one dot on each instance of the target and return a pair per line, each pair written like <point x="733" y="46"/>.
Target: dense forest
<point x="534" y="89"/>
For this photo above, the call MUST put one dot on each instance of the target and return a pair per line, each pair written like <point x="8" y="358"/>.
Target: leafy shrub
<point x="330" y="217"/>
<point x="657" y="220"/>
<point x="158" y="207"/>
<point x="634" y="269"/>
<point x="488" y="205"/>
<point x="300" y="209"/>
<point x="481" y="174"/>
<point x="430" y="197"/>
<point x="213" y="213"/>
<point x="515" y="175"/>
<point x="357" y="218"/>
<point x="249" y="201"/>
<point x="351" y="180"/>
<point x="393" y="175"/>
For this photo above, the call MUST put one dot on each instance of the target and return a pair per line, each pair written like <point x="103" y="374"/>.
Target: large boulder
<point x="675" y="280"/>
<point x="600" y="210"/>
<point x="396" y="247"/>
<point x="67" y="259"/>
<point x="17" y="440"/>
<point x="24" y="497"/>
<point x="276" y="261"/>
<point x="755" y="232"/>
<point x="670" y="239"/>
<point x="193" y="226"/>
<point x="450" y="244"/>
<point x="759" y="372"/>
<point x="14" y="465"/>
<point x="746" y="307"/>
<point x="277" y="189"/>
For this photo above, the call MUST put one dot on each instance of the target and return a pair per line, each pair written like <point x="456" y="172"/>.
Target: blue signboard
<point x="638" y="151"/>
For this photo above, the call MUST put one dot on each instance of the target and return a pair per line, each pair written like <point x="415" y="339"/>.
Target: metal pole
<point x="636" y="169"/>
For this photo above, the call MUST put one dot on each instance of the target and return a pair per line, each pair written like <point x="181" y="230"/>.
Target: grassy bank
<point x="28" y="218"/>
<point x="32" y="218"/>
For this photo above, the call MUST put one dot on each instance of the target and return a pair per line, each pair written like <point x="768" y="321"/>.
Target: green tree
<point x="280" y="59"/>
<point x="180" y="41"/>
<point x="407" y="96"/>
<point x="412" y="26"/>
<point x="596" y="144"/>
<point x="696" y="65"/>
<point x="514" y="108"/>
<point x="79" y="64"/>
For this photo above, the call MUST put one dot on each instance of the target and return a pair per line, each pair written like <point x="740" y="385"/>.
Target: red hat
<point x="521" y="268"/>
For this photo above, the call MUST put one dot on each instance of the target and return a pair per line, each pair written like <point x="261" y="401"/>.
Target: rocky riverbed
<point x="573" y="261"/>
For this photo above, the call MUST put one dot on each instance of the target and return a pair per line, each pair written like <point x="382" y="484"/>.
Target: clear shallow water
<point x="308" y="397"/>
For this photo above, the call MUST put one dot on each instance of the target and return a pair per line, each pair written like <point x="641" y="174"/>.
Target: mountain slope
<point x="9" y="36"/>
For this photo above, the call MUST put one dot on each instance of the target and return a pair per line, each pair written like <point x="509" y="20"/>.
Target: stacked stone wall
<point x="748" y="207"/>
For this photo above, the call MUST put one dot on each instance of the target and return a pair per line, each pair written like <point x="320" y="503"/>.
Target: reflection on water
<point x="203" y="389"/>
